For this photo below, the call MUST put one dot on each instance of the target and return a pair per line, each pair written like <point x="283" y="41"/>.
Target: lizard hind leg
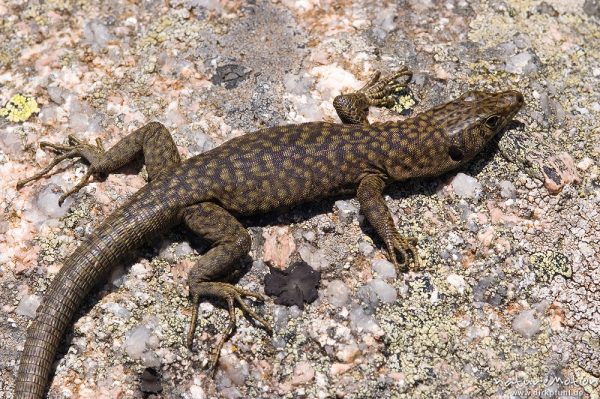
<point x="230" y="243"/>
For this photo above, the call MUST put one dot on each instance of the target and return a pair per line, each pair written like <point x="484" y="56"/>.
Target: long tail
<point x="124" y="230"/>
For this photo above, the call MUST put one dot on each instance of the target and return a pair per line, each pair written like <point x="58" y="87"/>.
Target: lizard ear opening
<point x="455" y="153"/>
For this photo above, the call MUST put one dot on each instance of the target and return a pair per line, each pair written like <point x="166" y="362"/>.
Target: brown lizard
<point x="269" y="169"/>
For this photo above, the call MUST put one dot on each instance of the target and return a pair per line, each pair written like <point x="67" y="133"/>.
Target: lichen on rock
<point x="19" y="108"/>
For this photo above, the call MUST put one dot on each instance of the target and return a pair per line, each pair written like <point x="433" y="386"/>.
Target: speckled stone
<point x="497" y="239"/>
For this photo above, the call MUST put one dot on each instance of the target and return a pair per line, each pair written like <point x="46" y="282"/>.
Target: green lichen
<point x="19" y="108"/>
<point x="432" y="332"/>
<point x="73" y="218"/>
<point x="418" y="333"/>
<point x="49" y="248"/>
<point x="159" y="32"/>
<point x="588" y="382"/>
<point x="547" y="264"/>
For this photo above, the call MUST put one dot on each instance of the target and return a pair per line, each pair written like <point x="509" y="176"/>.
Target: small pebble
<point x="10" y="142"/>
<point x="56" y="94"/>
<point x="466" y="186"/>
<point x="309" y="236"/>
<point x="346" y="211"/>
<point x="96" y="33"/>
<point x="348" y="353"/>
<point x="458" y="282"/>
<point x="196" y="392"/>
<point x="314" y="257"/>
<point x="366" y="249"/>
<point x="522" y="64"/>
<point x="585" y="164"/>
<point x="338" y="293"/>
<point x="171" y="254"/>
<point x="137" y="342"/>
<point x="235" y="371"/>
<point x="385" y="269"/>
<point x="361" y="321"/>
<point x="303" y="373"/>
<point x="507" y="189"/>
<point x="526" y="323"/>
<point x="281" y="315"/>
<point x="44" y="205"/>
<point x="28" y="306"/>
<point x="385" y="292"/>
<point x="118" y="310"/>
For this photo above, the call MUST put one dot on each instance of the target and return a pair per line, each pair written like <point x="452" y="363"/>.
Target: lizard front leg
<point x="372" y="204"/>
<point x="153" y="141"/>
<point x="230" y="243"/>
<point x="353" y="108"/>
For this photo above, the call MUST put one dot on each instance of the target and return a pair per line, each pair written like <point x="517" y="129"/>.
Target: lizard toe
<point x="230" y="294"/>
<point x="404" y="247"/>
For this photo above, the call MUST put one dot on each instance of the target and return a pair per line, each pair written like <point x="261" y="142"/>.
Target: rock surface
<point x="509" y="295"/>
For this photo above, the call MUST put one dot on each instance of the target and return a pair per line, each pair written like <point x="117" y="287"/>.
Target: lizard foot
<point x="75" y="149"/>
<point x="231" y="294"/>
<point x="379" y="91"/>
<point x="401" y="245"/>
<point x="353" y="108"/>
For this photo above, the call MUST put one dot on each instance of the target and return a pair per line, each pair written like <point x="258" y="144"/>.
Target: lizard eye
<point x="455" y="153"/>
<point x="492" y="122"/>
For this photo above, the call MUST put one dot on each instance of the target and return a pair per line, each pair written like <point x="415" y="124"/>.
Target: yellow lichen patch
<point x="404" y="103"/>
<point x="19" y="108"/>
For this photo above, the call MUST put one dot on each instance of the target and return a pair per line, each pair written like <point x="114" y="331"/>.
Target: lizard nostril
<point x="519" y="97"/>
<point x="511" y="98"/>
<point x="516" y="97"/>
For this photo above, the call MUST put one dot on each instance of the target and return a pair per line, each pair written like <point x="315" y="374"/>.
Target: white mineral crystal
<point x="28" y="306"/>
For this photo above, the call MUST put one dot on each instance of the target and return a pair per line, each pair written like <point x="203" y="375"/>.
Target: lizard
<point x="270" y="169"/>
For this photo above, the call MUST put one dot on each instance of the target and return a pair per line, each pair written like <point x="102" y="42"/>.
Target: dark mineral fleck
<point x="150" y="381"/>
<point x="294" y="286"/>
<point x="592" y="8"/>
<point x="230" y="75"/>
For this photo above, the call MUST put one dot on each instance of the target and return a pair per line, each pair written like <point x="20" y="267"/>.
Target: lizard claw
<point x="231" y="294"/>
<point x="353" y="108"/>
<point x="75" y="149"/>
<point x="379" y="91"/>
<point x="406" y="248"/>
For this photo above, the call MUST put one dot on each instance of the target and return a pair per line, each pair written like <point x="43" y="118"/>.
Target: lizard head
<point x="449" y="135"/>
<point x="471" y="120"/>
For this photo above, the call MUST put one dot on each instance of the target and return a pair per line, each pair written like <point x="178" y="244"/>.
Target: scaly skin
<point x="272" y="168"/>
